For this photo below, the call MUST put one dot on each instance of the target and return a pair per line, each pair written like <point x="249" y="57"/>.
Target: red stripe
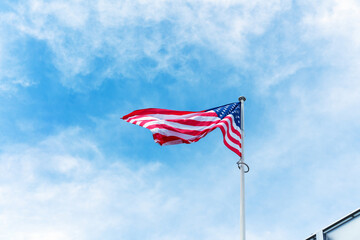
<point x="192" y="122"/>
<point x="233" y="149"/>
<point x="183" y="130"/>
<point x="180" y="130"/>
<point x="231" y="138"/>
<point x="143" y="122"/>
<point x="148" y="111"/>
<point x="198" y="134"/>
<point x="162" y="139"/>
<point x="228" y="145"/>
<point x="232" y="126"/>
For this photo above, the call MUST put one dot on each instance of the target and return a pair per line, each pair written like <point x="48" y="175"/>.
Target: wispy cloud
<point x="64" y="187"/>
<point x="296" y="62"/>
<point x="60" y="185"/>
<point x="11" y="72"/>
<point x="336" y="25"/>
<point x="152" y="35"/>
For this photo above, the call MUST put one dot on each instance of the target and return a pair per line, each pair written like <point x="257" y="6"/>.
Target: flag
<point x="171" y="127"/>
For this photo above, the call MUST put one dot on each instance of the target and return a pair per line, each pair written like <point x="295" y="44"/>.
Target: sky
<point x="70" y="168"/>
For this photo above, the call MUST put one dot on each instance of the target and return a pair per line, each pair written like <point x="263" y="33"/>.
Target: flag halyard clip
<point x="239" y="163"/>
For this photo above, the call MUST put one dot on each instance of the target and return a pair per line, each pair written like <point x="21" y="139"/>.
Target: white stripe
<point x="194" y="116"/>
<point x="161" y="119"/>
<point x="185" y="116"/>
<point x="163" y="115"/>
<point x="199" y="118"/>
<point x="135" y="119"/>
<point x="172" y="116"/>
<point x="180" y="125"/>
<point x="170" y="133"/>
<point x="178" y="141"/>
<point x="234" y="135"/>
<point x="231" y="143"/>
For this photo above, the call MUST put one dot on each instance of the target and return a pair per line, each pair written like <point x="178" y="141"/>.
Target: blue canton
<point x="232" y="108"/>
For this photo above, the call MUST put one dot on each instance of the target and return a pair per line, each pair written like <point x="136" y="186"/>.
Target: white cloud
<point x="336" y="24"/>
<point x="306" y="160"/>
<point x="10" y="68"/>
<point x="63" y="187"/>
<point x="333" y="27"/>
<point x="79" y="33"/>
<point x="308" y="153"/>
<point x="278" y="75"/>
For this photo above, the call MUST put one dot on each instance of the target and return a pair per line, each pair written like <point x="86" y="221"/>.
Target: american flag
<point x="171" y="127"/>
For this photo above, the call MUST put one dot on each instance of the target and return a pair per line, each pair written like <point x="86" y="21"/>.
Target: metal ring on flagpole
<point x="239" y="163"/>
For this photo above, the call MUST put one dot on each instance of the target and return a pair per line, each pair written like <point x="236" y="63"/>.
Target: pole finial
<point x="242" y="98"/>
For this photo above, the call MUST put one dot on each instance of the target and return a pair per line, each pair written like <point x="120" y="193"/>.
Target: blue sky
<point x="71" y="169"/>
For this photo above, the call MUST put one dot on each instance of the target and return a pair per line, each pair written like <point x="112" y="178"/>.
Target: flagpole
<point x="241" y="165"/>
